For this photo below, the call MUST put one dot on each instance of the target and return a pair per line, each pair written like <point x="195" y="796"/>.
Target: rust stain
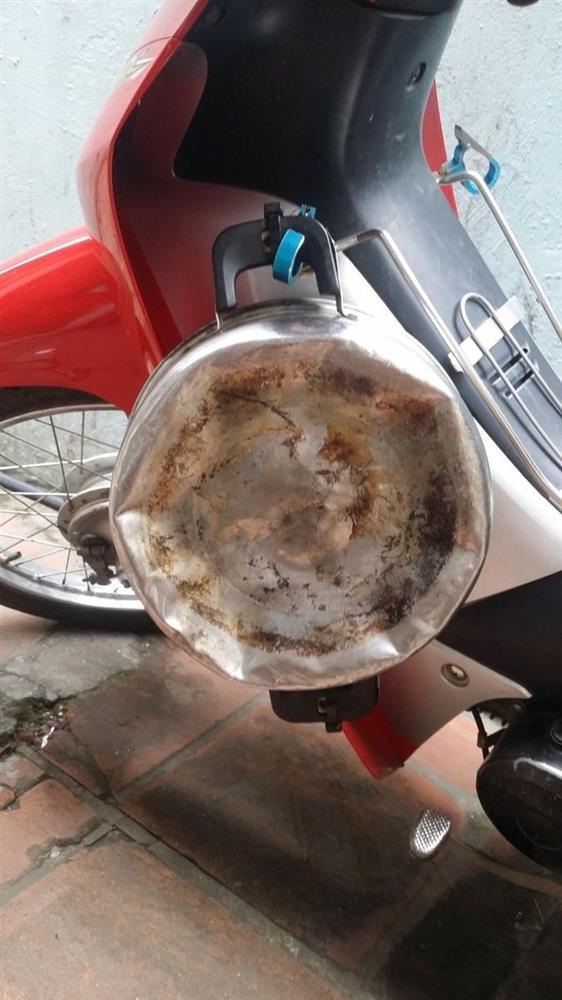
<point x="177" y="457"/>
<point x="360" y="511"/>
<point x="343" y="445"/>
<point x="161" y="551"/>
<point x="249" y="381"/>
<point x="196" y="593"/>
<point x="274" y="642"/>
<point x="438" y="527"/>
<point x="194" y="588"/>
<point x="404" y="405"/>
<point x="351" y="449"/>
<point x="346" y="384"/>
<point x="426" y="535"/>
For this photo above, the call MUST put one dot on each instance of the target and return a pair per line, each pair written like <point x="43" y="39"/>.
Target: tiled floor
<point x="176" y="840"/>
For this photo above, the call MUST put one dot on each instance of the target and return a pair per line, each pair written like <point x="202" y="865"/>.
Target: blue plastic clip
<point x="308" y="211"/>
<point x="456" y="165"/>
<point x="285" y="267"/>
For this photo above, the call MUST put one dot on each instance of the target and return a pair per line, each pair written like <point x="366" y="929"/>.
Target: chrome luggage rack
<point x="511" y="385"/>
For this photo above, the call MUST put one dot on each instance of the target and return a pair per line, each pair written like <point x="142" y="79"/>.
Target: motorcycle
<point x="272" y="395"/>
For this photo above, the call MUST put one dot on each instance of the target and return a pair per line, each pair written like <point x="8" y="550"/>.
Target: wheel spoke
<point x="36" y="493"/>
<point x="28" y="538"/>
<point x="38" y="447"/>
<point x="66" y="566"/>
<point x="58" y="572"/>
<point x="81" y="434"/>
<point x="82" y="437"/>
<point x="39" y="541"/>
<point x="24" y="513"/>
<point x="28" y="465"/>
<point x="40" y="479"/>
<point x="60" y="460"/>
<point x="86" y="575"/>
<point x="28" y="509"/>
<point x="45" y="555"/>
<point x="36" y="464"/>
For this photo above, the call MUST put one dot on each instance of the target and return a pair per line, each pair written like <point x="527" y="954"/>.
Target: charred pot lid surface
<point x="301" y="499"/>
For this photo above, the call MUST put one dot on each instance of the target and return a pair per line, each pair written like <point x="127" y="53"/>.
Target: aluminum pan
<point x="301" y="499"/>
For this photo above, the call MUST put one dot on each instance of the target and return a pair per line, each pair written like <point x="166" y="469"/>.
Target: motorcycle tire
<point x="18" y="403"/>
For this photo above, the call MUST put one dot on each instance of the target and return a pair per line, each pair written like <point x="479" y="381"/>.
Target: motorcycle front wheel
<point x="49" y="440"/>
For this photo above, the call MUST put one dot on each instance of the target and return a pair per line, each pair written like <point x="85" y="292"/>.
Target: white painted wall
<point x="501" y="78"/>
<point x="60" y="60"/>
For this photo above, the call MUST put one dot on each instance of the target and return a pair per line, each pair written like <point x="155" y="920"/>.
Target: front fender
<point x="69" y="320"/>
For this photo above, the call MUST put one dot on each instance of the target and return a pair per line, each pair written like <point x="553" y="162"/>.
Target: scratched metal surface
<point x="300" y="500"/>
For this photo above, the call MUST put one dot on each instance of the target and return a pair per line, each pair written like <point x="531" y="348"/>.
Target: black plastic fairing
<point x="321" y="102"/>
<point x="517" y="633"/>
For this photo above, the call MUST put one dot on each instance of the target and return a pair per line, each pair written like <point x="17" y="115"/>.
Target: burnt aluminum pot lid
<point x="301" y="499"/>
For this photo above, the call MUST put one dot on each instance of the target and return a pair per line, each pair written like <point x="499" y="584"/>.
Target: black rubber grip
<point x="245" y="246"/>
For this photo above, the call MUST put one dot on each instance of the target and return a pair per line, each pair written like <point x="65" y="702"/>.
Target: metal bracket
<point x="462" y="175"/>
<point x="457" y="355"/>
<point x="256" y="244"/>
<point x="483" y="337"/>
<point x="332" y="706"/>
<point x="456" y="164"/>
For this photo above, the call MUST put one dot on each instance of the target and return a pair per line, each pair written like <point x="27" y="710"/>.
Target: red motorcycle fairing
<point x="99" y="164"/>
<point x="73" y="315"/>
<point x="84" y="311"/>
<point x="68" y="321"/>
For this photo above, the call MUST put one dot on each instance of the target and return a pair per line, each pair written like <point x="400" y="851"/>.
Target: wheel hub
<point x="84" y="518"/>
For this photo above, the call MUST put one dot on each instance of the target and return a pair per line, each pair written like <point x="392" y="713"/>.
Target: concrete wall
<point x="501" y="78"/>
